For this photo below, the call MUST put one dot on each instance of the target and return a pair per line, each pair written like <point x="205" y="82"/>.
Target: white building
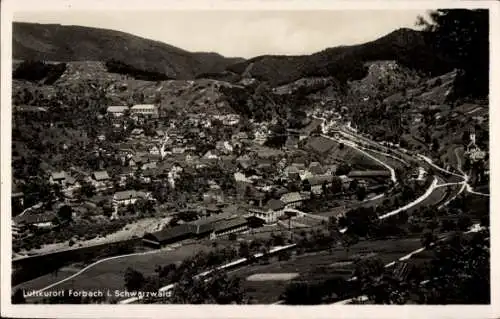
<point x="117" y="111"/>
<point x="149" y="110"/>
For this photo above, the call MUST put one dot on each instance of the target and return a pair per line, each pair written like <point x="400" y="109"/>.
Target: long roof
<point x="291" y="197"/>
<point x="101" y="175"/>
<point x="275" y="204"/>
<point x="143" y="106"/>
<point x="231" y="223"/>
<point x="371" y="173"/>
<point x="59" y="175"/>
<point x="171" y="232"/>
<point x="320" y="179"/>
<point x="125" y="195"/>
<point x="117" y="109"/>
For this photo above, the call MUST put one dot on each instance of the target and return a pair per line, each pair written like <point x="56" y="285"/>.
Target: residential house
<point x="316" y="169"/>
<point x="317" y="182"/>
<point x="214" y="195"/>
<point x="211" y="155"/>
<point x="129" y="197"/>
<point x="100" y="180"/>
<point x="224" y="147"/>
<point x="244" y="161"/>
<point x="231" y="119"/>
<point x="292" y="142"/>
<point x="154" y="150"/>
<point x="117" y="111"/>
<point x="346" y="182"/>
<point x="149" y="165"/>
<point x="238" y="137"/>
<point x="58" y="178"/>
<point x="178" y="150"/>
<point x="137" y="132"/>
<point x="292" y="172"/>
<point x="292" y="200"/>
<point x="160" y="133"/>
<point x="42" y="220"/>
<point x="261" y="137"/>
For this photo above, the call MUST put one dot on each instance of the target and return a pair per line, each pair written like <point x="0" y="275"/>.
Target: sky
<point x="242" y="33"/>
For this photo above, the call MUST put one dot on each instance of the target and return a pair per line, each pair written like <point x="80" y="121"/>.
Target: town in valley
<point x="355" y="175"/>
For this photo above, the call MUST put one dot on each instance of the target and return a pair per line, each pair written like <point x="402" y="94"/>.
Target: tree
<point x="464" y="223"/>
<point x="462" y="36"/>
<point x="87" y="189"/>
<point x="360" y="192"/>
<point x="460" y="272"/>
<point x="427" y="239"/>
<point x="65" y="213"/>
<point x="134" y="280"/>
<point x="306" y="185"/>
<point x="336" y="185"/>
<point x="343" y="169"/>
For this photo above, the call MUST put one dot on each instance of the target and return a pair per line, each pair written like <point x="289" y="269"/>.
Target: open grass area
<point x="320" y="265"/>
<point x="109" y="274"/>
<point x="346" y="154"/>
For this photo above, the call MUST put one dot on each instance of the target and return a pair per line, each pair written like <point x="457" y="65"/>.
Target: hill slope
<point x="408" y="47"/>
<point x="52" y="42"/>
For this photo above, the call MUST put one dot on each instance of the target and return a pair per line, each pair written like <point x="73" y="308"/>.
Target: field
<point x="345" y="154"/>
<point x="320" y="265"/>
<point x="109" y="274"/>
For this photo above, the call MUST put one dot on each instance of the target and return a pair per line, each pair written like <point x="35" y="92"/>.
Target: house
<point x="154" y="150"/>
<point x="43" y="220"/>
<point x="346" y="182"/>
<point x="317" y="182"/>
<point x="178" y="150"/>
<point x="238" y="137"/>
<point x="244" y="161"/>
<point x="223" y="148"/>
<point x="261" y="137"/>
<point x="273" y="210"/>
<point x="148" y="165"/>
<point x="100" y="180"/>
<point x="292" y="200"/>
<point x="58" y="178"/>
<point x="214" y="195"/>
<point x="211" y="155"/>
<point x="117" y="111"/>
<point x="125" y="198"/>
<point x="168" y="235"/>
<point x="160" y="133"/>
<point x="292" y="172"/>
<point x="292" y="142"/>
<point x="316" y="169"/>
<point x="137" y="132"/>
<point x="147" y="110"/>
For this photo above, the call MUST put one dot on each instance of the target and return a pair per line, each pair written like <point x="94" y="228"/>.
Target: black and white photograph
<point x="248" y="157"/>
